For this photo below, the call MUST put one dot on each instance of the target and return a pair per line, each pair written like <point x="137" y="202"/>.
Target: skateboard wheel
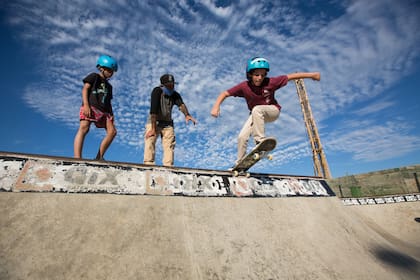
<point x="247" y="175"/>
<point x="235" y="173"/>
<point x="256" y="156"/>
<point x="270" y="157"/>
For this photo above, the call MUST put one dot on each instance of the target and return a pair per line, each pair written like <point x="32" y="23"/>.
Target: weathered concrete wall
<point x="100" y="236"/>
<point x="191" y="224"/>
<point x="46" y="174"/>
<point x="404" y="180"/>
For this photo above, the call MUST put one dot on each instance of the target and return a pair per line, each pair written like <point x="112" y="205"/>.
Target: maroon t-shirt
<point x="262" y="95"/>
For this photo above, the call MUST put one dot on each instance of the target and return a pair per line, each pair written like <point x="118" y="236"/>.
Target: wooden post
<point x="321" y="168"/>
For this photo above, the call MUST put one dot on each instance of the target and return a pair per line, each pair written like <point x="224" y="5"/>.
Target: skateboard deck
<point x="260" y="151"/>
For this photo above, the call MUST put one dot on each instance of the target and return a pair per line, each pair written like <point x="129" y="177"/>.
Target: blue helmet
<point x="108" y="62"/>
<point x="257" y="63"/>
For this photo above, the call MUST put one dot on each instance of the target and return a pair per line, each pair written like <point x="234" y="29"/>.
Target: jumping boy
<point x="258" y="92"/>
<point x="96" y="106"/>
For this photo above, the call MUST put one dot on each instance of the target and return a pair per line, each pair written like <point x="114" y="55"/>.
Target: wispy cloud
<point x="378" y="106"/>
<point x="371" y="142"/>
<point x="361" y="50"/>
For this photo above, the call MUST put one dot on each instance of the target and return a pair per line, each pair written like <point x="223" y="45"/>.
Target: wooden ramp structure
<point x="321" y="167"/>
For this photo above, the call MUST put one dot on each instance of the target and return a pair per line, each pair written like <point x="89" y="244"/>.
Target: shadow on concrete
<point x="417" y="219"/>
<point x="409" y="266"/>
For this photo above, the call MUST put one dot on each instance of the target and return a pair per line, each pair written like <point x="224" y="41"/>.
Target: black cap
<point x="167" y="78"/>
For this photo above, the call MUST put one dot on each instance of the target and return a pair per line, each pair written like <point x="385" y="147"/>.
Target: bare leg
<point x="111" y="132"/>
<point x="80" y="138"/>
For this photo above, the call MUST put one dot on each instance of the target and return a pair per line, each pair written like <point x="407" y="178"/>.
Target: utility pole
<point x="321" y="168"/>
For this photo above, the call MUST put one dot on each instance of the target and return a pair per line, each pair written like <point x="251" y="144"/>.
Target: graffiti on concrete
<point x="176" y="183"/>
<point x="80" y="175"/>
<point x="42" y="175"/>
<point x="9" y="173"/>
<point x="381" y="200"/>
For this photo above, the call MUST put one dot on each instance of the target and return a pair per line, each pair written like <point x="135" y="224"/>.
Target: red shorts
<point x="98" y="117"/>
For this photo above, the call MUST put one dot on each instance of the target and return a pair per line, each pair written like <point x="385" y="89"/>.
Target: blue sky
<point x="366" y="105"/>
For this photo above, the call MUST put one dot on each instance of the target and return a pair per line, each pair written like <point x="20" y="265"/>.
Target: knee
<point x="112" y="132"/>
<point x="256" y="110"/>
<point x="242" y="139"/>
<point x="84" y="129"/>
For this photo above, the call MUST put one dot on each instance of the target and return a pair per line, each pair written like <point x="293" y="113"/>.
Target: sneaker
<point x="258" y="142"/>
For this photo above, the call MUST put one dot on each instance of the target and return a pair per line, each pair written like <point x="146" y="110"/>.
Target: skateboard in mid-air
<point x="260" y="151"/>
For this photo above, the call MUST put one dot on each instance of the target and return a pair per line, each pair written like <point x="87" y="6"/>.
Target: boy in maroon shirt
<point x="258" y="92"/>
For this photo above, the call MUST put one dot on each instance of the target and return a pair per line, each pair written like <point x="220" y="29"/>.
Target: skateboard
<point x="260" y="151"/>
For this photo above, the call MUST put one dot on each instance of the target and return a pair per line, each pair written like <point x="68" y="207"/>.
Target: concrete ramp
<point x="62" y="235"/>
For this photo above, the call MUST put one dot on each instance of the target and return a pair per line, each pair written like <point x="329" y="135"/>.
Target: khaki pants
<point x="168" y="143"/>
<point x="255" y="125"/>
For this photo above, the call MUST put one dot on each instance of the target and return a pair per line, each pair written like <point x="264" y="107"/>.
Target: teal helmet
<point x="257" y="63"/>
<point x="108" y="62"/>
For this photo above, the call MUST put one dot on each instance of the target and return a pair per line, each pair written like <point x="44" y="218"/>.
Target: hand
<point x="316" y="76"/>
<point x="215" y="112"/>
<point x="150" y="133"/>
<point x="87" y="111"/>
<point x="189" y="118"/>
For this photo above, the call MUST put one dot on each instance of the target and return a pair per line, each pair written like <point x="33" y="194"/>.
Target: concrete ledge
<point x="381" y="200"/>
<point x="34" y="173"/>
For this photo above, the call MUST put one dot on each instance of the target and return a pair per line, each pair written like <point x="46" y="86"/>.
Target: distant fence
<point x="391" y="182"/>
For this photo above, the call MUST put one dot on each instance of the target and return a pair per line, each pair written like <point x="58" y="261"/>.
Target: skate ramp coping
<point x="20" y="172"/>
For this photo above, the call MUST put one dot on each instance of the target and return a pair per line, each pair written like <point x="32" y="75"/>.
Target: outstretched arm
<point x="316" y="76"/>
<point x="215" y="112"/>
<point x="187" y="115"/>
